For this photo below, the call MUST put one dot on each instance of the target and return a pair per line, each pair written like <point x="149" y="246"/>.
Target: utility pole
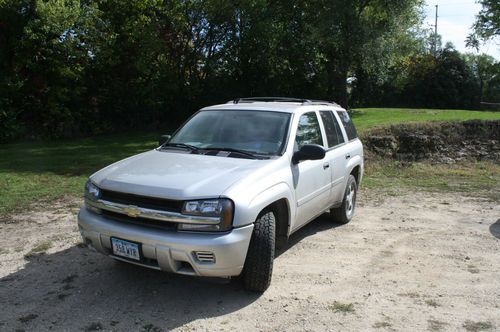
<point x="436" y="33"/>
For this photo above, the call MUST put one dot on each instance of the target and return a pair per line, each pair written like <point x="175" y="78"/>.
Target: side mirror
<point x="163" y="139"/>
<point x="309" y="152"/>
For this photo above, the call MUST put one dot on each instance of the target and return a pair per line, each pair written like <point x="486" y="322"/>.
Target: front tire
<point x="258" y="267"/>
<point x="345" y="212"/>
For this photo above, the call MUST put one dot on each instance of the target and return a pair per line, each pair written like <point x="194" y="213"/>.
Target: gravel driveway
<point x="413" y="262"/>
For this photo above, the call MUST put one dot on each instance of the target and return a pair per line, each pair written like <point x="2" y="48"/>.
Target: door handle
<point x="326" y="165"/>
<point x="347" y="156"/>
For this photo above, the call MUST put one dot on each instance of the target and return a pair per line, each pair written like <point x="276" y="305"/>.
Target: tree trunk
<point x="340" y="88"/>
<point x="337" y="84"/>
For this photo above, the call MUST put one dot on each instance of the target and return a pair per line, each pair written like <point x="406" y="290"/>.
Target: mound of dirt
<point x="443" y="142"/>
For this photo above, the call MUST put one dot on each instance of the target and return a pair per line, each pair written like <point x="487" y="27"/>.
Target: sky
<point x="455" y="18"/>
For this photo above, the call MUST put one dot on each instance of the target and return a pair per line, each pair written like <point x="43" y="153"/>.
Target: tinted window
<point x="308" y="131"/>
<point x="348" y="125"/>
<point x="333" y="133"/>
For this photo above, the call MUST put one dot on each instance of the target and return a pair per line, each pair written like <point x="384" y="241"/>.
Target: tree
<point x="44" y="55"/>
<point x="445" y="81"/>
<point x="73" y="67"/>
<point x="382" y="71"/>
<point x="483" y="67"/>
<point x="487" y="24"/>
<point x="344" y="29"/>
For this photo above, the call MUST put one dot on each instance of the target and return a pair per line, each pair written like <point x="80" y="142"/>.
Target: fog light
<point x="204" y="256"/>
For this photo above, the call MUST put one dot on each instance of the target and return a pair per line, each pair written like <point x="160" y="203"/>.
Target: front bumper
<point x="170" y="251"/>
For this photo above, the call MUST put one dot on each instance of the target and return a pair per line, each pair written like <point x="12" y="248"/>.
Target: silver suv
<point x="229" y="186"/>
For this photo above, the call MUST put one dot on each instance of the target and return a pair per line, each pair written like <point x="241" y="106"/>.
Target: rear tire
<point x="345" y="212"/>
<point x="258" y="267"/>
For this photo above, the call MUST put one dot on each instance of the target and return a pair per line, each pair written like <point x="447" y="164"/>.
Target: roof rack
<point x="281" y="99"/>
<point x="268" y="99"/>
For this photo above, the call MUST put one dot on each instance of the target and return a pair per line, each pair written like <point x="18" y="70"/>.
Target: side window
<point x="348" y="125"/>
<point x="308" y="131"/>
<point x="333" y="133"/>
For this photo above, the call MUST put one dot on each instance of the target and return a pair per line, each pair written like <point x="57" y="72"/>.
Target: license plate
<point x="126" y="249"/>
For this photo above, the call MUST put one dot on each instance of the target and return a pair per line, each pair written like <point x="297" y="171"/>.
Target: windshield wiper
<point x="243" y="152"/>
<point x="181" y="145"/>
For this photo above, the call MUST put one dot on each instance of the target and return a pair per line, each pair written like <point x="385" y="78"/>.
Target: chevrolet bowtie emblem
<point x="132" y="211"/>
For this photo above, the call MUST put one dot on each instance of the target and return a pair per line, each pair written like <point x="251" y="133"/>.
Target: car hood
<point x="175" y="175"/>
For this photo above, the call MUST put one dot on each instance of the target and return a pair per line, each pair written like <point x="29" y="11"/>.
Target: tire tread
<point x="258" y="267"/>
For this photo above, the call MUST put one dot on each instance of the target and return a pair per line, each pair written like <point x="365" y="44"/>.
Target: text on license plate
<point x="125" y="249"/>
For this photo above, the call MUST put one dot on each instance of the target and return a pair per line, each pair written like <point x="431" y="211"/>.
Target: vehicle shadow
<point x="77" y="289"/>
<point x="495" y="229"/>
<point x="320" y="224"/>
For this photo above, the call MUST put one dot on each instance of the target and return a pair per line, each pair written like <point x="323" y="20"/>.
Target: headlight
<point x="92" y="193"/>
<point x="218" y="208"/>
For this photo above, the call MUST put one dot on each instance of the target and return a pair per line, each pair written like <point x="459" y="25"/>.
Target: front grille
<point x="165" y="225"/>
<point x="147" y="202"/>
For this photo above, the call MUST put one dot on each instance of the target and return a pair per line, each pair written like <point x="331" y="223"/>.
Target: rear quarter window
<point x="348" y="125"/>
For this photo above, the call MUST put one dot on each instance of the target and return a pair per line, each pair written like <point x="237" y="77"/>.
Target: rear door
<point x="335" y="155"/>
<point x="312" y="178"/>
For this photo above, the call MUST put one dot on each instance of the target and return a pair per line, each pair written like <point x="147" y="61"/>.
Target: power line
<point x="436" y="32"/>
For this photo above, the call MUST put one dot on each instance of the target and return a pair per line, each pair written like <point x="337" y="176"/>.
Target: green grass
<point x="482" y="178"/>
<point x="342" y="307"/>
<point x="477" y="326"/>
<point x="366" y="118"/>
<point x="39" y="249"/>
<point x="43" y="171"/>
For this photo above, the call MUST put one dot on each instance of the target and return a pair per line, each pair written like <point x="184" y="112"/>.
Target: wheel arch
<point x="281" y="210"/>
<point x="356" y="172"/>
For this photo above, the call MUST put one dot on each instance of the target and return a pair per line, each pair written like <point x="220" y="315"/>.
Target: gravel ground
<point x="412" y="262"/>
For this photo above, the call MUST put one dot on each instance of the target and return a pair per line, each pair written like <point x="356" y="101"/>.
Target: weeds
<point x="477" y="326"/>
<point x="39" y="249"/>
<point x="432" y="303"/>
<point x="436" y="325"/>
<point x="342" y="307"/>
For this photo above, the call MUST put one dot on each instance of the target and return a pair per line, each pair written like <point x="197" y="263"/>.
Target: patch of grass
<point x="69" y="279"/>
<point x="436" y="325"/>
<point x="472" y="269"/>
<point x="365" y="118"/>
<point x="93" y="327"/>
<point x="342" y="307"/>
<point x="411" y="295"/>
<point x="27" y="318"/>
<point x="39" y="249"/>
<point x="151" y="328"/>
<point x="478" y="177"/>
<point x="62" y="296"/>
<point x="432" y="303"/>
<point x="477" y="326"/>
<point x="3" y="251"/>
<point x="380" y="325"/>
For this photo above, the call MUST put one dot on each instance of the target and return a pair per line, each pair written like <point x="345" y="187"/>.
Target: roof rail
<point x="281" y="99"/>
<point x="322" y="102"/>
<point x="268" y="99"/>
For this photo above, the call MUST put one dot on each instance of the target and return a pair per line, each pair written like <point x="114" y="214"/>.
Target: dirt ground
<point x="411" y="262"/>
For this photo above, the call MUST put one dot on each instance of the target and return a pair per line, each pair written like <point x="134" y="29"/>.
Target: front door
<point x="312" y="178"/>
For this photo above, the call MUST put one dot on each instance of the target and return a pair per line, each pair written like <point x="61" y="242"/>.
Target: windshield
<point x="259" y="132"/>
